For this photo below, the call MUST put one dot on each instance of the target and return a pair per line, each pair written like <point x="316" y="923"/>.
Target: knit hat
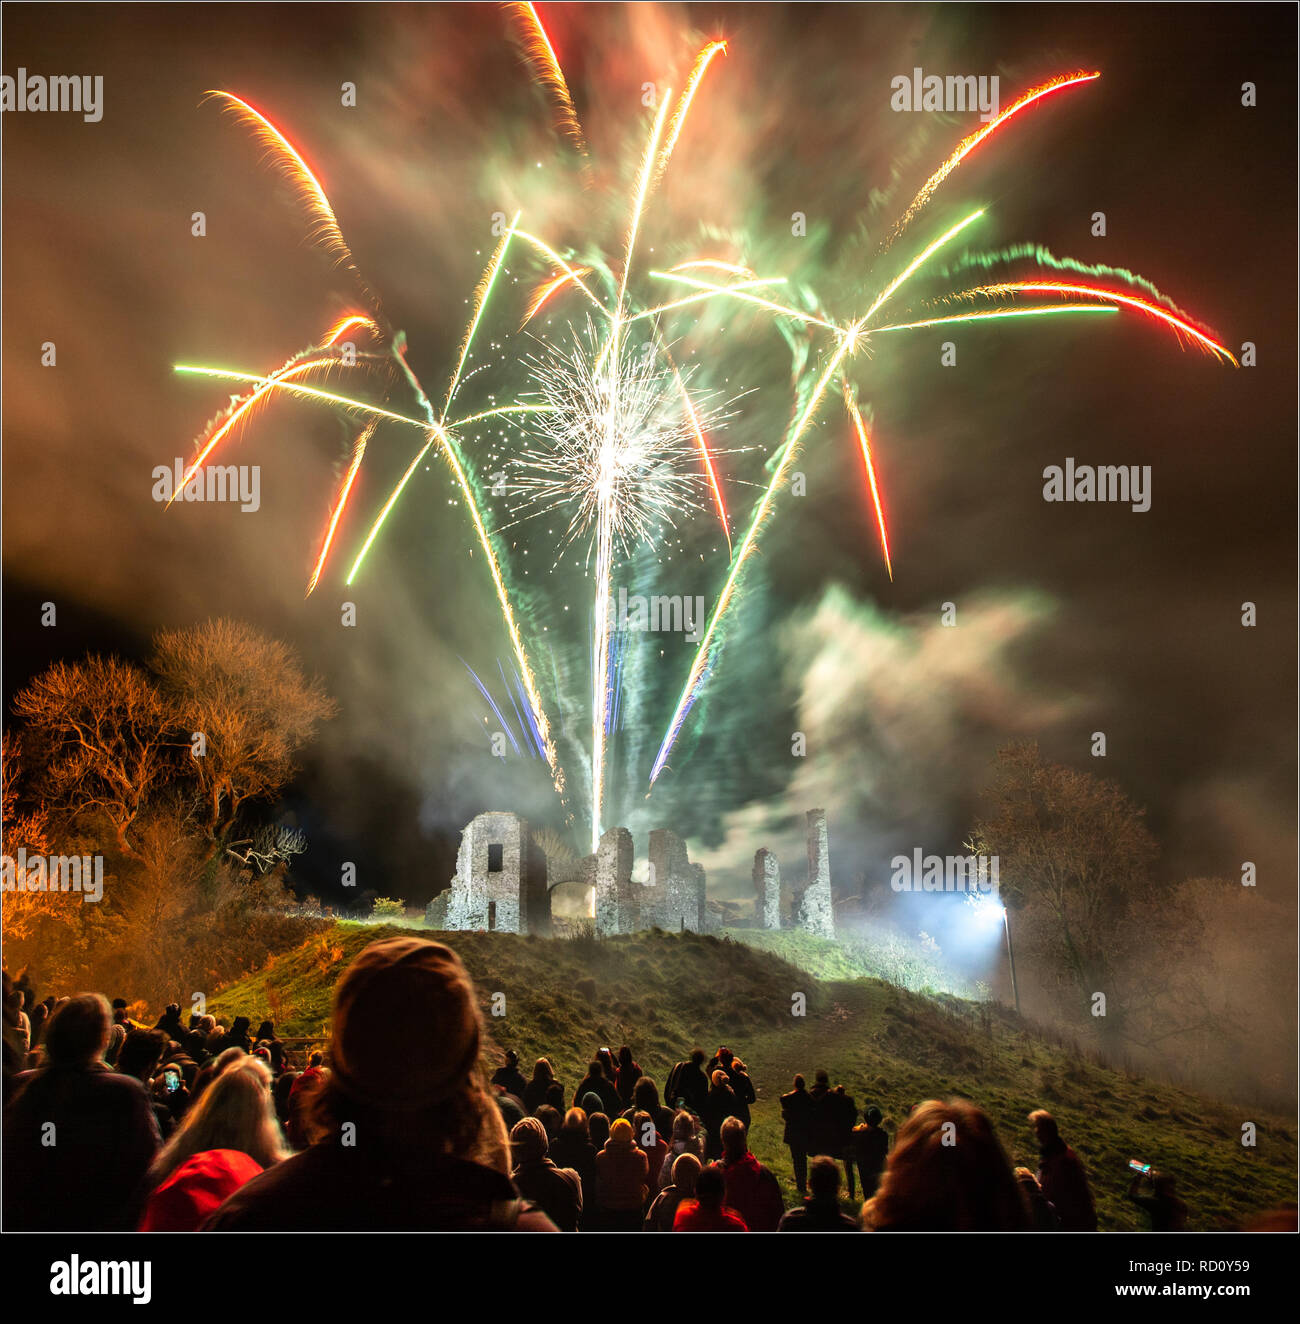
<point x="621" y="1133"/>
<point x="528" y="1141"/>
<point x="405" y="1025"/>
<point x="198" y="1187"/>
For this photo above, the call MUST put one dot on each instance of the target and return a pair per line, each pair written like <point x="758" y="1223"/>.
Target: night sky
<point x="1071" y="618"/>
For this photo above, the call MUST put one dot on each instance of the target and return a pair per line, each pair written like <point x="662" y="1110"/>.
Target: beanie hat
<point x="528" y="1141"/>
<point x="405" y="1025"/>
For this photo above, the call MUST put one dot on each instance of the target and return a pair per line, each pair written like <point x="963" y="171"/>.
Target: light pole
<point x="1011" y="957"/>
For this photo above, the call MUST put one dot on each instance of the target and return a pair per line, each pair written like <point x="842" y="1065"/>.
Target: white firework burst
<point x="619" y="444"/>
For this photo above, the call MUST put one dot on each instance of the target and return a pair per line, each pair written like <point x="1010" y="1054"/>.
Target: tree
<point x="99" y="741"/>
<point x="248" y="697"/>
<point x="1075" y="865"/>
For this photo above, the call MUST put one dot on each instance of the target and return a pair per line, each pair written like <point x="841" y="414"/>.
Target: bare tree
<point x="99" y="740"/>
<point x="248" y="697"/>
<point x="1075" y="863"/>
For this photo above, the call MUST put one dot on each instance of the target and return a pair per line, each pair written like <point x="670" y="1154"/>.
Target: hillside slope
<point x="664" y="993"/>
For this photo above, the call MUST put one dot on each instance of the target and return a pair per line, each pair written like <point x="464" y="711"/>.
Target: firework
<point x="614" y="436"/>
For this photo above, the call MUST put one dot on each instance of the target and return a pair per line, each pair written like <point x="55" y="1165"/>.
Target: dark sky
<point x="1071" y="619"/>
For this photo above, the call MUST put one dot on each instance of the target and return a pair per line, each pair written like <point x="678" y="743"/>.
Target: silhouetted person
<point x="535" y="1091"/>
<point x="821" y="1210"/>
<point x="627" y="1075"/>
<point x="797" y="1111"/>
<point x="509" y="1078"/>
<point x="622" y="1175"/>
<point x="841" y="1113"/>
<point x="688" y="1086"/>
<point x="719" y="1104"/>
<point x="706" y="1212"/>
<point x="79" y="1138"/>
<point x="686" y="1169"/>
<point x="572" y="1148"/>
<point x="752" y="1189"/>
<point x="598" y="1083"/>
<point x="1062" y="1176"/>
<point x="556" y="1191"/>
<point x="868" y="1148"/>
<point x="947" y="1173"/>
<point x="1042" y="1217"/>
<point x="743" y="1088"/>
<point x="1155" y="1194"/>
<point x="645" y="1099"/>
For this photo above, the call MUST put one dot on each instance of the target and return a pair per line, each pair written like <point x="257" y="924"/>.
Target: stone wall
<point x="767" y="890"/>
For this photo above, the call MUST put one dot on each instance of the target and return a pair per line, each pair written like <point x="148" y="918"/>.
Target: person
<point x="688" y="1086"/>
<point x="284" y="1084"/>
<point x="687" y="1137"/>
<point x="868" y="1149"/>
<point x="535" y="1091"/>
<point x="551" y="1119"/>
<point x="22" y="1022"/>
<point x="707" y="1212"/>
<point x="1062" y="1177"/>
<point x="237" y="1036"/>
<point x="598" y="1128"/>
<point x="645" y="1098"/>
<point x="752" y="1189"/>
<point x="509" y="1078"/>
<point x="719" y="1104"/>
<point x="411" y="1137"/>
<point x="556" y="1191"/>
<point x="743" y="1088"/>
<point x="821" y="1116"/>
<point x="572" y="1148"/>
<point x="797" y="1112"/>
<point x="652" y="1143"/>
<point x="947" y="1173"/>
<point x="622" y="1172"/>
<point x="821" y="1210"/>
<point x="722" y="1059"/>
<point x="235" y="1113"/>
<point x="103" y="1126"/>
<point x="1042" y="1217"/>
<point x="841" y="1113"/>
<point x="598" y="1083"/>
<point x="197" y="1189"/>
<point x="685" y="1172"/>
<point x="139" y="1056"/>
<point x="608" y="1066"/>
<point x="627" y="1076"/>
<point x="266" y="1035"/>
<point x="1166" y="1211"/>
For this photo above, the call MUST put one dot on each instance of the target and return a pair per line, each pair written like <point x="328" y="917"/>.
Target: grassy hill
<point x="664" y="993"/>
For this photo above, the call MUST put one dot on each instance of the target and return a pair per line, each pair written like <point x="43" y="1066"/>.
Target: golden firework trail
<point x="973" y="140"/>
<point x="540" y="54"/>
<point x="345" y="490"/>
<point x="290" y="164"/>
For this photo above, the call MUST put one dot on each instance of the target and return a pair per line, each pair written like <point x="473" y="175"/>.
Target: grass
<point x="664" y="993"/>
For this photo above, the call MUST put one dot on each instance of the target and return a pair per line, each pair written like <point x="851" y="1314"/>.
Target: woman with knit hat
<point x="412" y="1138"/>
<point x="622" y="1176"/>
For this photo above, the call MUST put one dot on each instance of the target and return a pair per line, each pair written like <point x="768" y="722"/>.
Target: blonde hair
<point x="236" y="1111"/>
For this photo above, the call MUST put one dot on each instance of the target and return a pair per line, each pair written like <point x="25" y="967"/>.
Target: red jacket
<point x="692" y="1216"/>
<point x="753" y="1192"/>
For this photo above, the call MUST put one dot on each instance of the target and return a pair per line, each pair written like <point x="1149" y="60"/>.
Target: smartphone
<point x="171" y="1080"/>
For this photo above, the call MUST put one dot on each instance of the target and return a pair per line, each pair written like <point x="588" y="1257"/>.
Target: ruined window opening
<point x="496" y="857"/>
<point x="492" y="914"/>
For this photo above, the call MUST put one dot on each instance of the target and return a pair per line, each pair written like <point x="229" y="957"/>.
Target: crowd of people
<point x="190" y="1125"/>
